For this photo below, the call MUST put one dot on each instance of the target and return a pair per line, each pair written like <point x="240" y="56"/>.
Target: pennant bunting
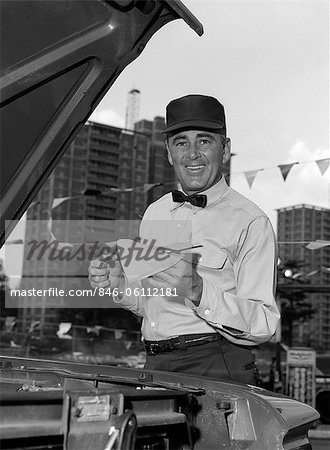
<point x="313" y="272"/>
<point x="49" y="227"/>
<point x="63" y="329"/>
<point x="148" y="186"/>
<point x="155" y="185"/>
<point x="315" y="245"/>
<point x="323" y="164"/>
<point x="65" y="246"/>
<point x="285" y="169"/>
<point x="118" y="334"/>
<point x="10" y="323"/>
<point x="110" y="245"/>
<point x="128" y="345"/>
<point x="120" y="190"/>
<point x="95" y="330"/>
<point x="58" y="201"/>
<point x="297" y="275"/>
<point x="250" y="176"/>
<point x="34" y="325"/>
<point x="33" y="204"/>
<point x="17" y="241"/>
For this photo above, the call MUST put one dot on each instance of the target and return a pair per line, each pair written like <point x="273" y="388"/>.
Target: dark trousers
<point x="220" y="360"/>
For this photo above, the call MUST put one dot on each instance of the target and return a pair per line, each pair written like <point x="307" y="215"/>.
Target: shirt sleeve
<point x="250" y="315"/>
<point x="131" y="299"/>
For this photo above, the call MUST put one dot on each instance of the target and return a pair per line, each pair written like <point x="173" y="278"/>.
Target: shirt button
<point x="153" y="324"/>
<point x="207" y="312"/>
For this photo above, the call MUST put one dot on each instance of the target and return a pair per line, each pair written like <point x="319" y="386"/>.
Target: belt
<point x="180" y="343"/>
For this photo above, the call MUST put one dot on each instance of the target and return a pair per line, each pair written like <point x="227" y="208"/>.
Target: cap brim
<point x="194" y="124"/>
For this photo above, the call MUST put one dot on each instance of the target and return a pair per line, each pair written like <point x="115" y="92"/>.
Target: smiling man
<point x="223" y="296"/>
<point x="198" y="157"/>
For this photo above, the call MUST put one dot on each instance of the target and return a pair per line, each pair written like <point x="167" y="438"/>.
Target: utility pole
<point x="133" y="109"/>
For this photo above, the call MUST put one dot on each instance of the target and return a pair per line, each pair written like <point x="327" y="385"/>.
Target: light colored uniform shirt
<point x="237" y="264"/>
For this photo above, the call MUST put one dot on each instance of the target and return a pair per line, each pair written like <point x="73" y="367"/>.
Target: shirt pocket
<point x="213" y="259"/>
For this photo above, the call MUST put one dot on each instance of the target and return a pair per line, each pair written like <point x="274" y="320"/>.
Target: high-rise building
<point x="298" y="225"/>
<point x="159" y="170"/>
<point x="133" y="109"/>
<point x="101" y="163"/>
<point x="98" y="180"/>
<point x="133" y="174"/>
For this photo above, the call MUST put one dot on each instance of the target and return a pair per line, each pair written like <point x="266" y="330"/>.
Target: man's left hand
<point x="182" y="277"/>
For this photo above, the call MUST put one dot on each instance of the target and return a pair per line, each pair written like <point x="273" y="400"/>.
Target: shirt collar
<point x="215" y="192"/>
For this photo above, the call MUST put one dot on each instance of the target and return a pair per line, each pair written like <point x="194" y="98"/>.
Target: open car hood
<point x="71" y="403"/>
<point x="58" y="59"/>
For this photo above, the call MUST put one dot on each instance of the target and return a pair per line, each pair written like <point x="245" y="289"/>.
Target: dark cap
<point x="196" y="111"/>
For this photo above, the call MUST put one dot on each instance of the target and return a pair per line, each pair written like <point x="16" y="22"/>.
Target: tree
<point x="295" y="307"/>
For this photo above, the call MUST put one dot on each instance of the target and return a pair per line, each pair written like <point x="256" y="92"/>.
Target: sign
<point x="300" y="374"/>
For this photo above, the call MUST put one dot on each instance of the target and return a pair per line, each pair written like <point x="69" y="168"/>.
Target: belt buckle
<point x="154" y="348"/>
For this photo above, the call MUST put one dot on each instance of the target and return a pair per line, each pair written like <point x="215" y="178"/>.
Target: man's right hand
<point x="105" y="272"/>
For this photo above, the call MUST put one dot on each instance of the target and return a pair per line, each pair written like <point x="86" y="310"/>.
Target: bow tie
<point x="195" y="199"/>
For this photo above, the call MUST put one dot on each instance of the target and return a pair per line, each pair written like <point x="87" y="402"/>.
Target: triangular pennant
<point x="118" y="334"/>
<point x="10" y="323"/>
<point x="63" y="329"/>
<point x="297" y="275"/>
<point x="94" y="330"/>
<point x="33" y="204"/>
<point x="58" y="201"/>
<point x="121" y="190"/>
<point x="17" y="241"/>
<point x="285" y="169"/>
<point x="49" y="226"/>
<point x="128" y="345"/>
<point x="34" y="325"/>
<point x="323" y="164"/>
<point x="60" y="245"/>
<point x="315" y="245"/>
<point x="325" y="269"/>
<point x="313" y="272"/>
<point x="148" y="186"/>
<point x="250" y="176"/>
<point x="65" y="246"/>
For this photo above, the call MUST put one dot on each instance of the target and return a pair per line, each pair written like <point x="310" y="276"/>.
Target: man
<point x="224" y="294"/>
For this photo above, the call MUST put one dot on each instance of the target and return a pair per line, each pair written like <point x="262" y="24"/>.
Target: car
<point x="59" y="58"/>
<point x="323" y="387"/>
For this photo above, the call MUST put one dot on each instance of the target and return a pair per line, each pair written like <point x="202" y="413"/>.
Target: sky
<point x="268" y="63"/>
